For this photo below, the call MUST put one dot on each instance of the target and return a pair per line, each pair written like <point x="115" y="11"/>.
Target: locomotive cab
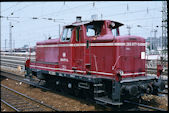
<point x="80" y="35"/>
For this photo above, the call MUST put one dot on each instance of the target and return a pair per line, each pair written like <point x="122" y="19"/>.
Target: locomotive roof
<point x="117" y="24"/>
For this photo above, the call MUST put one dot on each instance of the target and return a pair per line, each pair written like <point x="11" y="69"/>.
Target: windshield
<point x="66" y="36"/>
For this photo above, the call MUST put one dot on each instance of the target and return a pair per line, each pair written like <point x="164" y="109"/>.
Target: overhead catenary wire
<point x="58" y="10"/>
<point x="55" y="26"/>
<point x="20" y="9"/>
<point x="97" y="9"/>
<point x="34" y="18"/>
<point x="9" y="7"/>
<point x="143" y="19"/>
<point x="63" y="19"/>
<point x="66" y="13"/>
<point x="51" y="35"/>
<point x="145" y="10"/>
<point x="68" y="9"/>
<point x="38" y="34"/>
<point x="85" y="4"/>
<point x="39" y="30"/>
<point x="117" y="14"/>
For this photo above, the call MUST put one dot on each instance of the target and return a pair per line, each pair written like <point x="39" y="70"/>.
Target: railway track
<point x="20" y="102"/>
<point x="143" y="106"/>
<point x="15" y="66"/>
<point x="21" y="79"/>
<point x="123" y="108"/>
<point x="35" y="84"/>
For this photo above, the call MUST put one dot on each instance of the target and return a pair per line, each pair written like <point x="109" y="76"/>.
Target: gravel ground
<point x="12" y="70"/>
<point x="58" y="101"/>
<point x="5" y="108"/>
<point x="156" y="101"/>
<point x="68" y="104"/>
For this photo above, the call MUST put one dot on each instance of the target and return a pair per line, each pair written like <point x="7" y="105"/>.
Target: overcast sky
<point x="28" y="31"/>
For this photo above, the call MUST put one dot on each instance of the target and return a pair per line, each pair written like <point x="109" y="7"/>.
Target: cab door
<point x="65" y="49"/>
<point x="78" y="50"/>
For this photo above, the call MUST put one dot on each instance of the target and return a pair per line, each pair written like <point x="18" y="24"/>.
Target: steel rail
<point x="11" y="65"/>
<point x="34" y="83"/>
<point x="10" y="105"/>
<point x="142" y="105"/>
<point x="16" y="58"/>
<point x="164" y="92"/>
<point x="35" y="100"/>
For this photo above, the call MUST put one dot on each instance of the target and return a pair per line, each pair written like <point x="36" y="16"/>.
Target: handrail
<point x="95" y="62"/>
<point x="116" y="62"/>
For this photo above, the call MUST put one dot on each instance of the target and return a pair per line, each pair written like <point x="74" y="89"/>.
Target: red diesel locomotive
<point x="91" y="59"/>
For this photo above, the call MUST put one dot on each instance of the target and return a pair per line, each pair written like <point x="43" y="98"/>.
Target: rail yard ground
<point x="58" y="101"/>
<point x="65" y="103"/>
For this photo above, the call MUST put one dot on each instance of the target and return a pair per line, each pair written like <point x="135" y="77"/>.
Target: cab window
<point x="114" y="32"/>
<point x="90" y="30"/>
<point x="114" y="29"/>
<point x="94" y="29"/>
<point x="67" y="33"/>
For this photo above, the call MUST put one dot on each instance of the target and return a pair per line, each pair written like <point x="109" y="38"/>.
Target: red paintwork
<point x="159" y="70"/>
<point x="27" y="64"/>
<point x="101" y="58"/>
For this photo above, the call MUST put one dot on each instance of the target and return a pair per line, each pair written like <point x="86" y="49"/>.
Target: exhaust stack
<point x="78" y="19"/>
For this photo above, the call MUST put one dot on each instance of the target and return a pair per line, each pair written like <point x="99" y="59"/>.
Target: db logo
<point x="64" y="54"/>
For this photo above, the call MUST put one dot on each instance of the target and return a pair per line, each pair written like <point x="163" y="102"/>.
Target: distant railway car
<point x="90" y="58"/>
